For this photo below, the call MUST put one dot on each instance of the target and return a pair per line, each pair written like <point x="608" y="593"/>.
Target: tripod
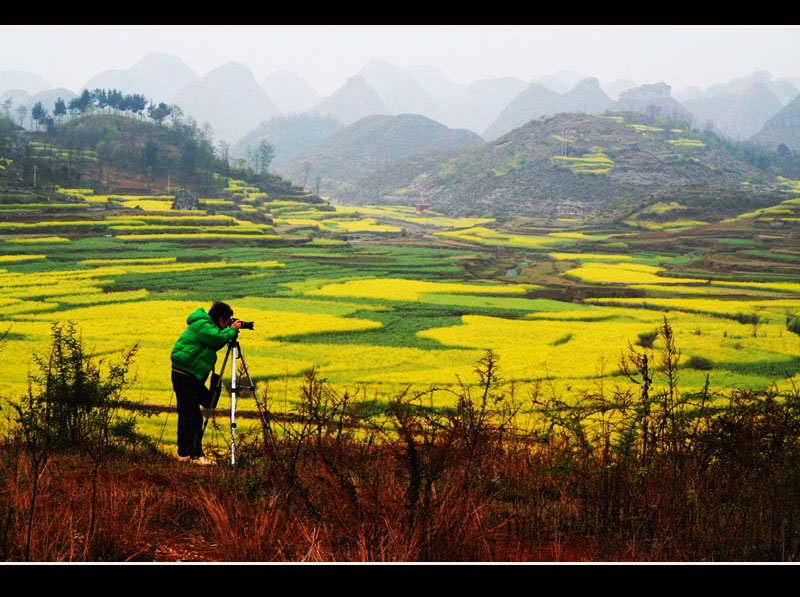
<point x="234" y="352"/>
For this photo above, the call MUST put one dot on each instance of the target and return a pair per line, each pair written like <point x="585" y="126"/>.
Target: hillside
<point x="115" y="153"/>
<point x="575" y="165"/>
<point x="370" y="144"/>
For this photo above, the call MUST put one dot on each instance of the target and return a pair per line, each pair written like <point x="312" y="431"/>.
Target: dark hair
<point x="220" y="310"/>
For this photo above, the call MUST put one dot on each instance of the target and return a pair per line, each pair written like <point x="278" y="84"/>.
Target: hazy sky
<point x="680" y="55"/>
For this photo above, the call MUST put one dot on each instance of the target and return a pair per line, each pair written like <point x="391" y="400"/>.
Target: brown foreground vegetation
<point x="615" y="476"/>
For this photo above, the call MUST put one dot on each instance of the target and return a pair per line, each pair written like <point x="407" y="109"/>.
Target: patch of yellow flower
<point x="36" y="239"/>
<point x="19" y="258"/>
<point x="590" y="256"/>
<point x="623" y="273"/>
<point x="407" y="290"/>
<point x="487" y="236"/>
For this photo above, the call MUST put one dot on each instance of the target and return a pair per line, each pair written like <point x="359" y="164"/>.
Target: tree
<point x="82" y="102"/>
<point x="38" y="112"/>
<point x="137" y="103"/>
<point x="176" y="113"/>
<point x="102" y="98"/>
<point x="114" y="98"/>
<point x="263" y="156"/>
<point x="158" y="113"/>
<point x="22" y="112"/>
<point x="224" y="152"/>
<point x="60" y="109"/>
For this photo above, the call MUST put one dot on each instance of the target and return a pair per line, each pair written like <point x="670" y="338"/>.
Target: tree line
<point x="89" y="101"/>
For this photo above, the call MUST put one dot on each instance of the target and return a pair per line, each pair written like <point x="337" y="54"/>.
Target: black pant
<point x="190" y="394"/>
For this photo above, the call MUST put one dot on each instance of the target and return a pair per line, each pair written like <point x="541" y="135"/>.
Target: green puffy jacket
<point x="195" y="352"/>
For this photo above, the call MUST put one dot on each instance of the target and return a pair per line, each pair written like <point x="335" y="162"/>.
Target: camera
<point x="246" y="325"/>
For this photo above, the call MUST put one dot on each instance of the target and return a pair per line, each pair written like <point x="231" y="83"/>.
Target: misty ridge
<point x="293" y="117"/>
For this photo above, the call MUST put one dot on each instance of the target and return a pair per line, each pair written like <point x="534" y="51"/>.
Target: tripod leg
<point x="233" y="404"/>
<point x="237" y="354"/>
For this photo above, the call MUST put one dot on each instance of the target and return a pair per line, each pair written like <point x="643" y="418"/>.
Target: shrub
<point x="70" y="402"/>
<point x="71" y="405"/>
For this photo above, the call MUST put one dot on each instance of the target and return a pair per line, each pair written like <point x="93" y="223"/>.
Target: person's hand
<point x="237" y="324"/>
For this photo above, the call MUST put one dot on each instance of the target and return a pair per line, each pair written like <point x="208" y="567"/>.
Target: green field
<point x="378" y="299"/>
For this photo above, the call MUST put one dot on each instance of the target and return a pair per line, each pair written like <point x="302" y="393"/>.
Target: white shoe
<point x="202" y="461"/>
<point x="184" y="458"/>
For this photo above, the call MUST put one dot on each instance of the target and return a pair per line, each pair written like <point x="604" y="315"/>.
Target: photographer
<point x="193" y="357"/>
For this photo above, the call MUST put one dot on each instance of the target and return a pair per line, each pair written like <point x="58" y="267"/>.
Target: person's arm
<point x="211" y="335"/>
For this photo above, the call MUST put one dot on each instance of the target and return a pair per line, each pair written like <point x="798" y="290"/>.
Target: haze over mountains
<point x="236" y="105"/>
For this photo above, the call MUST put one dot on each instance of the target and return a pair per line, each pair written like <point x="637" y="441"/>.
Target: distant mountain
<point x="438" y="85"/>
<point x="289" y="92"/>
<point x="351" y="102"/>
<point x="537" y="101"/>
<point x="28" y="82"/>
<point x="48" y="99"/>
<point x="289" y="135"/>
<point x="574" y="165"/>
<point x="427" y="91"/>
<point x="477" y="105"/>
<point x="587" y="97"/>
<point x="369" y="144"/>
<point x="738" y="109"/>
<point x="784" y="90"/>
<point x="782" y="128"/>
<point x="614" y="88"/>
<point x="561" y="81"/>
<point x="749" y="112"/>
<point x="399" y="91"/>
<point x="229" y="99"/>
<point x="18" y="97"/>
<point x="157" y="76"/>
<point x="735" y="116"/>
<point x="709" y="111"/>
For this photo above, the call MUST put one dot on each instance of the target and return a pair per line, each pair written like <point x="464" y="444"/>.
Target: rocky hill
<point x="575" y="165"/>
<point x="653" y="100"/>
